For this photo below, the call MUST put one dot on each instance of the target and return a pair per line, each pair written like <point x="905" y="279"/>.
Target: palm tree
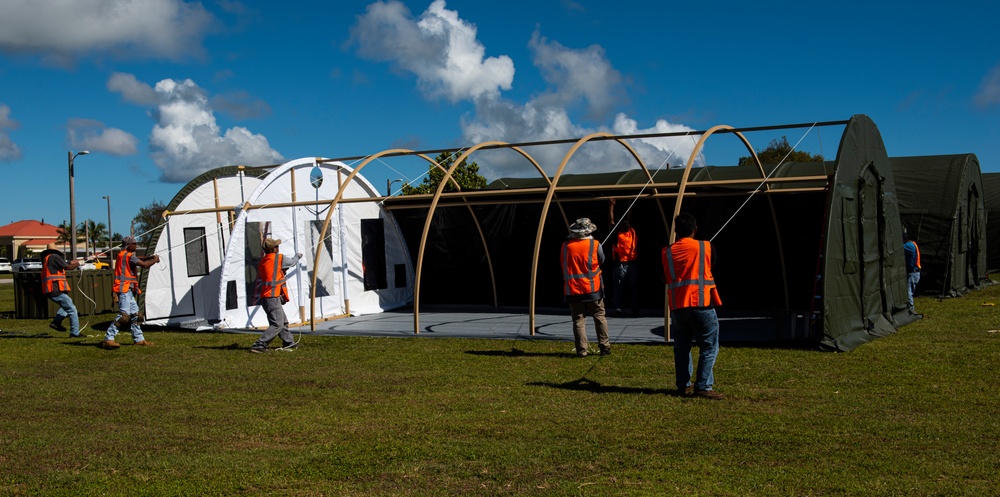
<point x="95" y="232"/>
<point x="63" y="234"/>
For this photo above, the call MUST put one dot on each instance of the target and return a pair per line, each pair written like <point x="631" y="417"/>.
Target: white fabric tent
<point x="210" y="245"/>
<point x="364" y="264"/>
<point x="183" y="290"/>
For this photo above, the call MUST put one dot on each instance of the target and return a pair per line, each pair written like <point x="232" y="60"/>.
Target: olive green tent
<point x="991" y="188"/>
<point x="811" y="253"/>
<point x="942" y="206"/>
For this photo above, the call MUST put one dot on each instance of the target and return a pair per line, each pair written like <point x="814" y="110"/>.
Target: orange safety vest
<point x="53" y="281"/>
<point x="687" y="267"/>
<point x="581" y="267"/>
<point x="272" y="277"/>
<point x="125" y="278"/>
<point x="625" y="246"/>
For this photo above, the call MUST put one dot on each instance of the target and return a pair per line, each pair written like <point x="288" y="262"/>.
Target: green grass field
<point x="911" y="414"/>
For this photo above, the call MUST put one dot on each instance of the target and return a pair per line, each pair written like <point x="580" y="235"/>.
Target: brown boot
<point x="110" y="344"/>
<point x="144" y="343"/>
<point x="709" y="394"/>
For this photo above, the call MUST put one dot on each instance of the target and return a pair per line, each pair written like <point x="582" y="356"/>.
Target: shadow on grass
<point x="232" y="346"/>
<point x="585" y="385"/>
<point x="518" y="353"/>
<point x="15" y="334"/>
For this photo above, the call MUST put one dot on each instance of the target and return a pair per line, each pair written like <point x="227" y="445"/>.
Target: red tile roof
<point x="30" y="227"/>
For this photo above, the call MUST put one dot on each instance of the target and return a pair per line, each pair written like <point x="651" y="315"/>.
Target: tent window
<point x="196" y="251"/>
<point x="231" y="299"/>
<point x="373" y="253"/>
<point x="849" y="224"/>
<point x="325" y="267"/>
<point x="252" y="253"/>
<point x="400" y="275"/>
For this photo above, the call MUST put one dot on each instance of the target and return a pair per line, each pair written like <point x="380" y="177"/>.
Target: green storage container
<point x="90" y="291"/>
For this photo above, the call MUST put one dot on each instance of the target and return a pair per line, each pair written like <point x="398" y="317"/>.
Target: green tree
<point x="466" y="175"/>
<point x="63" y="233"/>
<point x="147" y="221"/>
<point x="776" y="153"/>
<point x="95" y="232"/>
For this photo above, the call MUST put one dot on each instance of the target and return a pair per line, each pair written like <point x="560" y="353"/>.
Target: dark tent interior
<point x="809" y="254"/>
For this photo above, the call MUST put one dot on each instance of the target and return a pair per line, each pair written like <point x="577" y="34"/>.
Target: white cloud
<point x="132" y="89"/>
<point x="87" y="134"/>
<point x="443" y="52"/>
<point x="577" y="75"/>
<point x="62" y="30"/>
<point x="187" y="141"/>
<point x="9" y="151"/>
<point x="584" y="77"/>
<point x="241" y="105"/>
<point x="989" y="89"/>
<point x="439" y="48"/>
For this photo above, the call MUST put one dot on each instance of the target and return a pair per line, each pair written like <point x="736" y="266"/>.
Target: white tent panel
<point x="183" y="289"/>
<point x="358" y="230"/>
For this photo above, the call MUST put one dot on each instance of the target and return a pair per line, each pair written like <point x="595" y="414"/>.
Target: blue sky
<point x="161" y="90"/>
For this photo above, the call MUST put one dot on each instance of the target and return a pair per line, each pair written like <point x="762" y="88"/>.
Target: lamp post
<point x="110" y="233"/>
<point x="388" y="186"/>
<point x="72" y="203"/>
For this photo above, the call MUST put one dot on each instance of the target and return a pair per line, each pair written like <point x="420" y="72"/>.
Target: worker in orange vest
<point x="125" y="288"/>
<point x="626" y="270"/>
<point x="273" y="295"/>
<point x="687" y="268"/>
<point x="583" y="289"/>
<point x="56" y="288"/>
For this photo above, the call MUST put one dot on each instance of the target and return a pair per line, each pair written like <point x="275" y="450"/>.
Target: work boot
<point x="143" y="343"/>
<point x="709" y="394"/>
<point x="605" y="350"/>
<point x="57" y="326"/>
<point x="110" y="344"/>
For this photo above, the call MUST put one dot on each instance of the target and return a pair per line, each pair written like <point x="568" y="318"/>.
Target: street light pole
<point x="110" y="233"/>
<point x="72" y="203"/>
<point x="388" y="186"/>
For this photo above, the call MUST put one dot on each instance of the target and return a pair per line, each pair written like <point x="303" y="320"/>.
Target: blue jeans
<point x="702" y="327"/>
<point x="66" y="308"/>
<point x="911" y="285"/>
<point x="126" y="305"/>
<point x="627" y="281"/>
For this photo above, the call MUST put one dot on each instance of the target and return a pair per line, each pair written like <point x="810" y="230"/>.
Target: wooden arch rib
<point x="680" y="199"/>
<point x="430" y="215"/>
<point x="548" y="201"/>
<point x="329" y="214"/>
<point x="649" y="178"/>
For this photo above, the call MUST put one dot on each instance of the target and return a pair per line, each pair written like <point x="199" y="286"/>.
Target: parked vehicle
<point x="26" y="265"/>
<point x="95" y="265"/>
<point x="4" y="265"/>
